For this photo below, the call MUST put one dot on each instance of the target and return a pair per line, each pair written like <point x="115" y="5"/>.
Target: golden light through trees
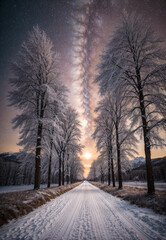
<point x="87" y="155"/>
<point x="84" y="122"/>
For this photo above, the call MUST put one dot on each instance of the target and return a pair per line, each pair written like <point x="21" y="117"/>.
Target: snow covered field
<point x="86" y="212"/>
<point x="14" y="188"/>
<point x="158" y="185"/>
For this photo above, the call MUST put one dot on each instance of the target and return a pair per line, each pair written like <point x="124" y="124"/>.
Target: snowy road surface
<point x="87" y="212"/>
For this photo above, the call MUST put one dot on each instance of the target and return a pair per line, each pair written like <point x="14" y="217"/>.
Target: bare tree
<point x="135" y="62"/>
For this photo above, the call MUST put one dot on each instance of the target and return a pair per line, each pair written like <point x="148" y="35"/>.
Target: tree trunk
<point x="63" y="168"/>
<point x="67" y="170"/>
<point x="38" y="157"/>
<point x="60" y="163"/>
<point x="118" y="159"/>
<point x="149" y="169"/>
<point x="94" y="174"/>
<point x="102" y="175"/>
<point x="109" y="169"/>
<point x="67" y="176"/>
<point x="112" y="168"/>
<point x="40" y="115"/>
<point x="49" y="166"/>
<point x="71" y="178"/>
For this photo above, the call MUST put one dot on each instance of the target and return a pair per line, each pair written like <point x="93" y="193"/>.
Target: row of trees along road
<point x="49" y="128"/>
<point x="132" y="82"/>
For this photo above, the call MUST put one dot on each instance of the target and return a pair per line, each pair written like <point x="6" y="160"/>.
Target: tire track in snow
<point x="86" y="223"/>
<point x="117" y="209"/>
<point x="112" y="227"/>
<point x="142" y="229"/>
<point x="70" y="211"/>
<point x="129" y="225"/>
<point x="89" y="224"/>
<point x="86" y="213"/>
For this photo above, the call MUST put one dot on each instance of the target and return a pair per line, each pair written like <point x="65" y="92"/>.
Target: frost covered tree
<point x="93" y="171"/>
<point x="135" y="62"/>
<point x="102" y="168"/>
<point x="53" y="130"/>
<point x="68" y="139"/>
<point x="34" y="76"/>
<point x="26" y="167"/>
<point x="103" y="134"/>
<point x="99" y="168"/>
<point x="76" y="168"/>
<point x="101" y="172"/>
<point x="112" y="108"/>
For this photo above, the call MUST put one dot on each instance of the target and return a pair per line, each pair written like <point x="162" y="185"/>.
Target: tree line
<point x="49" y="128"/>
<point x="132" y="85"/>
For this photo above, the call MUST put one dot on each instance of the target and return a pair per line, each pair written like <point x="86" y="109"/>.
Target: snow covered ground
<point x="158" y="185"/>
<point x="14" y="188"/>
<point x="4" y="189"/>
<point x="86" y="212"/>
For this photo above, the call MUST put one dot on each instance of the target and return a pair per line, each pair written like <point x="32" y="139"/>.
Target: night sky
<point x="17" y="17"/>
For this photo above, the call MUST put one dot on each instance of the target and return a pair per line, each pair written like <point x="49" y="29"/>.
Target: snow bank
<point x="16" y="204"/>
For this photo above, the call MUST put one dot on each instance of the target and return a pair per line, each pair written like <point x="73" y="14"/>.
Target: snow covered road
<point x="86" y="213"/>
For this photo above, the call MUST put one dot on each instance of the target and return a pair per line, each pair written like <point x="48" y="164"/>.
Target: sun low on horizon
<point x="87" y="155"/>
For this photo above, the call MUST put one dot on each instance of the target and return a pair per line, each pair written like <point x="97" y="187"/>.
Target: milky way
<point x="85" y="24"/>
